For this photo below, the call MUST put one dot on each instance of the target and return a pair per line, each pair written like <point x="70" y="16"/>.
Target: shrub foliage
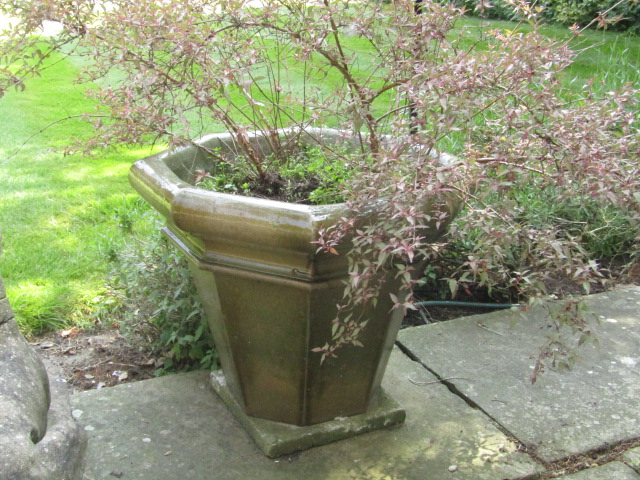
<point x="621" y="15"/>
<point x="158" y="304"/>
<point x="396" y="77"/>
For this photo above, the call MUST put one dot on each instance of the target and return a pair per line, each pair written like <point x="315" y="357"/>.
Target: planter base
<point x="275" y="439"/>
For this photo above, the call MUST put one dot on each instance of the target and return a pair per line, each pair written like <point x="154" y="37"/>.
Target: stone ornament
<point x="39" y="440"/>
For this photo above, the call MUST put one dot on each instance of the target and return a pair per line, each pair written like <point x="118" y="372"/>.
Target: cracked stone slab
<point x="595" y="404"/>
<point x="609" y="471"/>
<point x="177" y="427"/>
<point x="632" y="458"/>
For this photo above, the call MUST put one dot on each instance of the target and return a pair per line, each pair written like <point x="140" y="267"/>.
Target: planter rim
<point x="235" y="230"/>
<point x="232" y="230"/>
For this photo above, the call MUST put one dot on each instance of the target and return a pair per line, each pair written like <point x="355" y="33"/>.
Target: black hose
<point x="451" y="303"/>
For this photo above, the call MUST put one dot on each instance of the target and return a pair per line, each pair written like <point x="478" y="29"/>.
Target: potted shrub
<point x="269" y="293"/>
<point x="399" y="87"/>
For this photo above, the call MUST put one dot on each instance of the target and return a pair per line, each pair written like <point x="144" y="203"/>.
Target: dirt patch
<point x="620" y="271"/>
<point x="96" y="359"/>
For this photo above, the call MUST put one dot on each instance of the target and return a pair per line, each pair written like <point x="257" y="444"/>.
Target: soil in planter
<point x="276" y="187"/>
<point x="309" y="177"/>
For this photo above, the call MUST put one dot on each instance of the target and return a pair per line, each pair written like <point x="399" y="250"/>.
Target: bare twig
<point x="68" y="117"/>
<point x="435" y="381"/>
<point x="482" y="325"/>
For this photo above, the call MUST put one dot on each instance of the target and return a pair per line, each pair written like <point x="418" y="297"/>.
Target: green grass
<point x="609" y="57"/>
<point x="611" y="60"/>
<point x="61" y="216"/>
<point x="64" y="217"/>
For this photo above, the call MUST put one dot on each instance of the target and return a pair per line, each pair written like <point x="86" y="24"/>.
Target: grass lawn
<point x="610" y="57"/>
<point x="61" y="216"/>
<point x="64" y="217"/>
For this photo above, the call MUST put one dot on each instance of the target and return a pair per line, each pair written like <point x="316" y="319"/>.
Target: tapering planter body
<point x="269" y="297"/>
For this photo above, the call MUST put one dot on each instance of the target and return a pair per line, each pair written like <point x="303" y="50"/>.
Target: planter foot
<point x="275" y="439"/>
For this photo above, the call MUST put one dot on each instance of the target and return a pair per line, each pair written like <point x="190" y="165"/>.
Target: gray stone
<point x="175" y="427"/>
<point x="595" y="404"/>
<point x="39" y="440"/>
<point x="5" y="310"/>
<point x="632" y="458"/>
<point x="609" y="471"/>
<point x="276" y="439"/>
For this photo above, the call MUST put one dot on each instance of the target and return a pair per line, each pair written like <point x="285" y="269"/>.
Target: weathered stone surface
<point x="595" y="404"/>
<point x="176" y="428"/>
<point x="39" y="439"/>
<point x="609" y="471"/>
<point x="632" y="458"/>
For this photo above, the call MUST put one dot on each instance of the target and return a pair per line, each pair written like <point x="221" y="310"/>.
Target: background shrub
<point x="159" y="306"/>
<point x="582" y="12"/>
<point x="565" y="12"/>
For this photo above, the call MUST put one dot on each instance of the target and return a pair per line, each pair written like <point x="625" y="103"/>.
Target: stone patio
<point x="471" y="412"/>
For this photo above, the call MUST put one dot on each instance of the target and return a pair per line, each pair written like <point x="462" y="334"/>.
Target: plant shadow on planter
<point x="269" y="296"/>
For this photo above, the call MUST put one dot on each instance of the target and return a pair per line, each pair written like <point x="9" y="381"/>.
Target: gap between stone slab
<point x="592" y="459"/>
<point x="553" y="469"/>
<point x="452" y="388"/>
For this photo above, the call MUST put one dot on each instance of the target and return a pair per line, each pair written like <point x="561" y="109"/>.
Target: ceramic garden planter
<point x="269" y="297"/>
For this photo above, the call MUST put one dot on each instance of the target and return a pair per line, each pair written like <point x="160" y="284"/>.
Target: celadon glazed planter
<point x="269" y="297"/>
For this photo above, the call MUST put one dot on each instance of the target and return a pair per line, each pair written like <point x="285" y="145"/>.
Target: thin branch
<point x="482" y="325"/>
<point x="420" y="384"/>
<point x="82" y="115"/>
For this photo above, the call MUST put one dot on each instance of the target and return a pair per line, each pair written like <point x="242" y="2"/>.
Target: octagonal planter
<point x="269" y="297"/>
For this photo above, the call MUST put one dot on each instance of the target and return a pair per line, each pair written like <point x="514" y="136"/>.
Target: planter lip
<point x="153" y="169"/>
<point x="161" y="186"/>
<point x="226" y="229"/>
<point x="314" y="213"/>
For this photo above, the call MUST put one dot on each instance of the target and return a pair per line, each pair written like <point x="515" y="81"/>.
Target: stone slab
<point x="176" y="427"/>
<point x="609" y="471"/>
<point x="595" y="404"/>
<point x="632" y="458"/>
<point x="276" y="439"/>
